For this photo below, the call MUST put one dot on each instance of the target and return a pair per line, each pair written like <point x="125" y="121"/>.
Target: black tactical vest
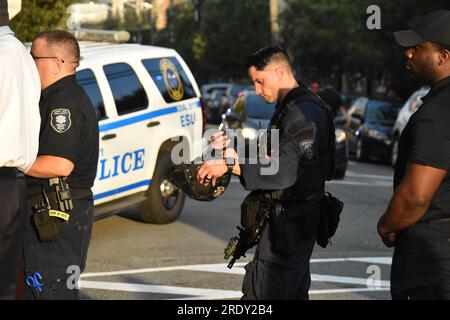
<point x="312" y="181"/>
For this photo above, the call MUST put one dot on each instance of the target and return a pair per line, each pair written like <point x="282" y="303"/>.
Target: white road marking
<point x="328" y="291"/>
<point x="201" y="267"/>
<point x="206" y="294"/>
<point x="369" y="176"/>
<point x="146" y="288"/>
<point x="374" y="260"/>
<point x="196" y="293"/>
<point x="222" y="267"/>
<point x="347" y="280"/>
<point x="358" y="183"/>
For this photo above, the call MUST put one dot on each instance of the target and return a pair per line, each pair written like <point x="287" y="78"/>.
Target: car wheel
<point x="394" y="151"/>
<point x="164" y="200"/>
<point x="360" y="153"/>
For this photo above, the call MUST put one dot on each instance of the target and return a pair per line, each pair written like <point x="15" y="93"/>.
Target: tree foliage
<point x="39" y="15"/>
<point x="215" y="46"/>
<point x="328" y="37"/>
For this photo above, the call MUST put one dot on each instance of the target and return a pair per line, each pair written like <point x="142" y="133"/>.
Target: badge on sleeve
<point x="307" y="148"/>
<point x="60" y="120"/>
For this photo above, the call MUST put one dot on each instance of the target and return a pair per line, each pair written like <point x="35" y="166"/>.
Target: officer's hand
<point x="389" y="239"/>
<point x="211" y="170"/>
<point x="219" y="140"/>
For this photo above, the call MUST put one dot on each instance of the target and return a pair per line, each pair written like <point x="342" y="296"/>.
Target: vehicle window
<point x="87" y="80"/>
<point x="239" y="107"/>
<point x="257" y="108"/>
<point x="359" y="106"/>
<point x="382" y="112"/>
<point x="127" y="90"/>
<point x="170" y="78"/>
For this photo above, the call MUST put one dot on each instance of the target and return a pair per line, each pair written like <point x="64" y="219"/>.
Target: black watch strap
<point x="230" y="162"/>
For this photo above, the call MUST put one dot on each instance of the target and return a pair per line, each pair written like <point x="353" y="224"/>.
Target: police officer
<point x="417" y="220"/>
<point x="19" y="134"/>
<point x="280" y="268"/>
<point x="68" y="147"/>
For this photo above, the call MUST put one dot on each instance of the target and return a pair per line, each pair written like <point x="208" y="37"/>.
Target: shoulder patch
<point x="60" y="120"/>
<point x="307" y="149"/>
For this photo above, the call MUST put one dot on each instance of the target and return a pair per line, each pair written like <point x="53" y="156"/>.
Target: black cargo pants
<point x="266" y="280"/>
<point x="52" y="268"/>
<point x="12" y="198"/>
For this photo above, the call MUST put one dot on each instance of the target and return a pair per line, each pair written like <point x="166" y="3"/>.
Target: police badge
<point x="60" y="120"/>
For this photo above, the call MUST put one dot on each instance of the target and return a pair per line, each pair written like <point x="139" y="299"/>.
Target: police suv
<point x="147" y="103"/>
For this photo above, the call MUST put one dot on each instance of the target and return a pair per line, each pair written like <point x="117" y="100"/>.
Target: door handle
<point x="109" y="136"/>
<point x="153" y="124"/>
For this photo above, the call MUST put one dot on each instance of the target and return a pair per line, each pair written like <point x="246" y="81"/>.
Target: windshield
<point x="382" y="112"/>
<point x="257" y="108"/>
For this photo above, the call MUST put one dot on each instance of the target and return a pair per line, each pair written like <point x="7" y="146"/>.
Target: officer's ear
<point x="57" y="65"/>
<point x="279" y="72"/>
<point x="444" y="56"/>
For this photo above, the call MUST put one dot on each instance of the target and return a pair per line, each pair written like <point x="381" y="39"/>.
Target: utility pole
<point x="274" y="25"/>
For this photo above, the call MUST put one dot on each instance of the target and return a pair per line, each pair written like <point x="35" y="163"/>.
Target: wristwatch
<point x="230" y="162"/>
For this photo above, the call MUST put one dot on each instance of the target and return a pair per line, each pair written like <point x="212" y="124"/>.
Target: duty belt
<point x="10" y="172"/>
<point x="76" y="194"/>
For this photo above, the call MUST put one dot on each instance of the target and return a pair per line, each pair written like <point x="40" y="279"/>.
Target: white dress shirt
<point x="20" y="90"/>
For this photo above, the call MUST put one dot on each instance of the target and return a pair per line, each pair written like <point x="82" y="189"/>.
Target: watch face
<point x="230" y="161"/>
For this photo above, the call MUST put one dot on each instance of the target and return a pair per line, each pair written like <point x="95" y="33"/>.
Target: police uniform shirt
<point x="301" y="130"/>
<point x="426" y="141"/>
<point x="303" y="140"/>
<point x="422" y="252"/>
<point x="69" y="129"/>
<point x="20" y="89"/>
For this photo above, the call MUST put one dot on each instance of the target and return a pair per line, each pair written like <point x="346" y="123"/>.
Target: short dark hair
<point x="264" y="56"/>
<point x="443" y="46"/>
<point x="61" y="38"/>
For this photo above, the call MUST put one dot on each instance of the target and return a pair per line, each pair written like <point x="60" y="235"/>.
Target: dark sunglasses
<point x="35" y="58"/>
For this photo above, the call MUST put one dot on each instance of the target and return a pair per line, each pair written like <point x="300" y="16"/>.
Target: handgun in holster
<point x="61" y="188"/>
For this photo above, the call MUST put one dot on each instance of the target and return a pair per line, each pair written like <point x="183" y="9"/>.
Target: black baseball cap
<point x="435" y="27"/>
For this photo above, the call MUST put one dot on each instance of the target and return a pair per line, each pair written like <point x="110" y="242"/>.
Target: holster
<point x="289" y="221"/>
<point x="50" y="208"/>
<point x="282" y="231"/>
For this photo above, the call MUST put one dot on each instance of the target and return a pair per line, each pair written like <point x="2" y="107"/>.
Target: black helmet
<point x="184" y="176"/>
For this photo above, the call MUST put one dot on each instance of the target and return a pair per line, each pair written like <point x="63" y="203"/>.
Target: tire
<point x="162" y="208"/>
<point x="361" y="155"/>
<point x="394" y="151"/>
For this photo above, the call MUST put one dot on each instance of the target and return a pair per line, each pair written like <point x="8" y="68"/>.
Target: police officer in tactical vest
<point x="305" y="160"/>
<point x="60" y="199"/>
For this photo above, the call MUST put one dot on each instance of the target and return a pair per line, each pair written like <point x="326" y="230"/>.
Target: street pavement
<point x="129" y="259"/>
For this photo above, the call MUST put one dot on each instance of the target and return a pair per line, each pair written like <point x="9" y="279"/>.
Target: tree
<point x="329" y="37"/>
<point x="40" y="15"/>
<point x="233" y="29"/>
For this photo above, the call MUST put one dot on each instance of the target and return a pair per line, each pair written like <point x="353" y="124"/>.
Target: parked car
<point x="209" y="88"/>
<point x="348" y="99"/>
<point x="251" y="113"/>
<point x="219" y="96"/>
<point x="369" y="133"/>
<point x="410" y="106"/>
<point x="216" y="106"/>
